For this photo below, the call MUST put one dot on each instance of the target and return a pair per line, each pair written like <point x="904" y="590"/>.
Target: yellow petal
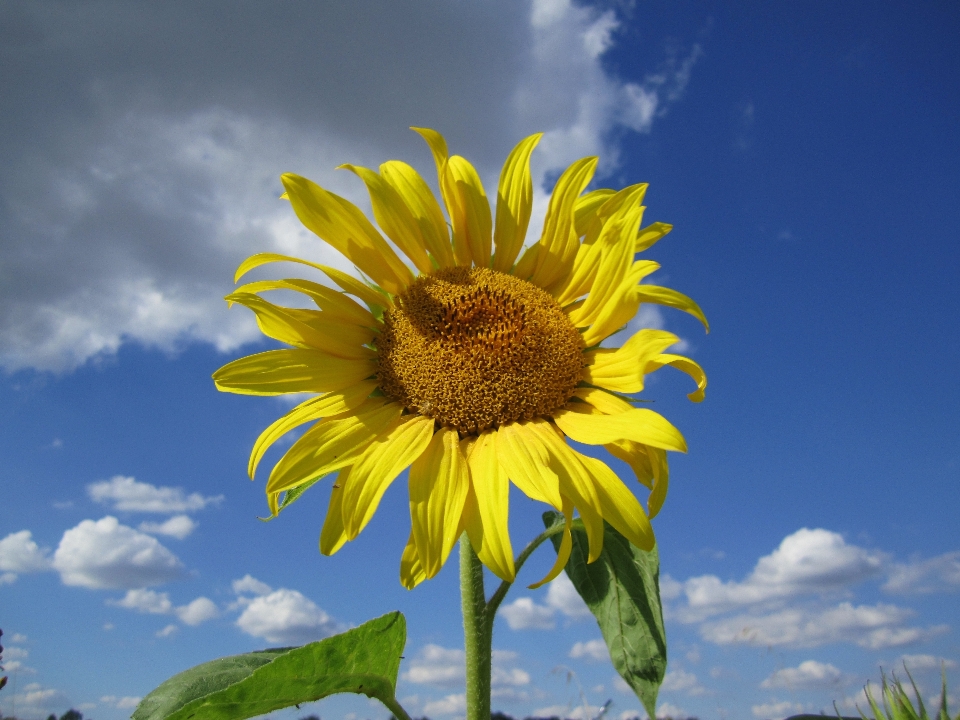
<point x="341" y="224"/>
<point x="524" y="459"/>
<point x="566" y="546"/>
<point x="575" y="483"/>
<point x="621" y="306"/>
<point x="647" y="236"/>
<point x="348" y="283"/>
<point x="438" y="146"/>
<point x="527" y="263"/>
<point x="332" y="444"/>
<point x="277" y="372"/>
<point x="514" y="203"/>
<point x="335" y="305"/>
<point x="661" y="480"/>
<point x="635" y="455"/>
<point x="332" y="535"/>
<point x="602" y="400"/>
<point x="559" y="242"/>
<point x="394" y="217"/>
<point x="307" y="328"/>
<point x="381" y="462"/>
<point x="585" y="210"/>
<point x="469" y="212"/>
<point x="639" y="424"/>
<point x="623" y="369"/>
<point x="415" y="192"/>
<point x="686" y="365"/>
<point x="620" y="507"/>
<point x="674" y="299"/>
<point x="490" y="536"/>
<point x="616" y="242"/>
<point x="438" y="489"/>
<point x="328" y="405"/>
<point x="411" y="571"/>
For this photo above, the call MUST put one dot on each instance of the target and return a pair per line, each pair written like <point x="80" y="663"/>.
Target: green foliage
<point x="897" y="704"/>
<point x="622" y="590"/>
<point x="364" y="660"/>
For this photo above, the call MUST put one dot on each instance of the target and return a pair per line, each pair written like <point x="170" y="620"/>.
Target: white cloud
<point x="249" y="584"/>
<point x="34" y="699"/>
<point x="808" y="675"/>
<point x="941" y="574"/>
<point x="444" y="667"/>
<point x="145" y="601"/>
<point x="167" y="631"/>
<point x="286" y="616"/>
<point x="449" y="705"/>
<point x="198" y="611"/>
<point x="591" y="650"/>
<point x="149" y="601"/>
<point x="808" y="561"/>
<point x="121" y="703"/>
<point x="15" y="653"/>
<point x="680" y="680"/>
<point x="105" y="554"/>
<point x="126" y="227"/>
<point x="436" y="665"/>
<point x="525" y="614"/>
<point x="924" y="662"/>
<point x="869" y="626"/>
<point x="20" y="554"/>
<point x="775" y="710"/>
<point x="578" y="712"/>
<point x="128" y="495"/>
<point x="179" y="527"/>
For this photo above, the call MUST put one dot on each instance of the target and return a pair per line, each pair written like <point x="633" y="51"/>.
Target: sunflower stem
<point x="477" y="632"/>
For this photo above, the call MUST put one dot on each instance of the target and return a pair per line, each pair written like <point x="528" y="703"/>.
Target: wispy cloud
<point x="125" y="494"/>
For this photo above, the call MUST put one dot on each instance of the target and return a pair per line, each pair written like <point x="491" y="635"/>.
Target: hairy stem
<point x="477" y="632"/>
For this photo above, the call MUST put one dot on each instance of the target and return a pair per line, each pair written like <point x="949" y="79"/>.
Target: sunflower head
<point x="468" y="363"/>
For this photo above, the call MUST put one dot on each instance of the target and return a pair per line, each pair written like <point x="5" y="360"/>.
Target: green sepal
<point x="622" y="590"/>
<point x="364" y="660"/>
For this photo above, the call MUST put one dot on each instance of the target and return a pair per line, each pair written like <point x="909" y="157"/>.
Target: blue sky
<point x="807" y="156"/>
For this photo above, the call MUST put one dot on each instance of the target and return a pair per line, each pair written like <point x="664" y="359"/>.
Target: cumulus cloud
<point x="807" y="561"/>
<point x="775" y="710"/>
<point x="870" y="626"/>
<point x="680" y="680"/>
<point x="105" y="554"/>
<point x="941" y="574"/>
<point x="179" y="527"/>
<point x="198" y="611"/>
<point x="34" y="699"/>
<point x="286" y="616"/>
<point x="145" y="601"/>
<point x="20" y="554"/>
<point x="128" y="495"/>
<point x="808" y="675"/>
<point x="449" y="705"/>
<point x="131" y="196"/>
<point x="149" y="601"/>
<point x="525" y="614"/>
<point x="590" y="650"/>
<point x="924" y="662"/>
<point x="121" y="703"/>
<point x="443" y="667"/>
<point x="250" y="585"/>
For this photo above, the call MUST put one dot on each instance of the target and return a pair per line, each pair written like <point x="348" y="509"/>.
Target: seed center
<point x="476" y="348"/>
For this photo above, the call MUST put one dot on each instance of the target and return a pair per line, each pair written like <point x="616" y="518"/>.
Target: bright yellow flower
<point x="473" y="372"/>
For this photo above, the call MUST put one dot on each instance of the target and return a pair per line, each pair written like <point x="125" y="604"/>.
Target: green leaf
<point x="622" y="590"/>
<point x="364" y="660"/>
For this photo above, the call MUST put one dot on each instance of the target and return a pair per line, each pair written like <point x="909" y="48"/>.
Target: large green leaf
<point x="622" y="590"/>
<point x="363" y="660"/>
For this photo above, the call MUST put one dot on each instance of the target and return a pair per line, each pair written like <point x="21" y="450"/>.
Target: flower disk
<point x="476" y="348"/>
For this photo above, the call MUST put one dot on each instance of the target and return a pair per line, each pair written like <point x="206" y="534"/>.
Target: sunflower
<point x="473" y="370"/>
